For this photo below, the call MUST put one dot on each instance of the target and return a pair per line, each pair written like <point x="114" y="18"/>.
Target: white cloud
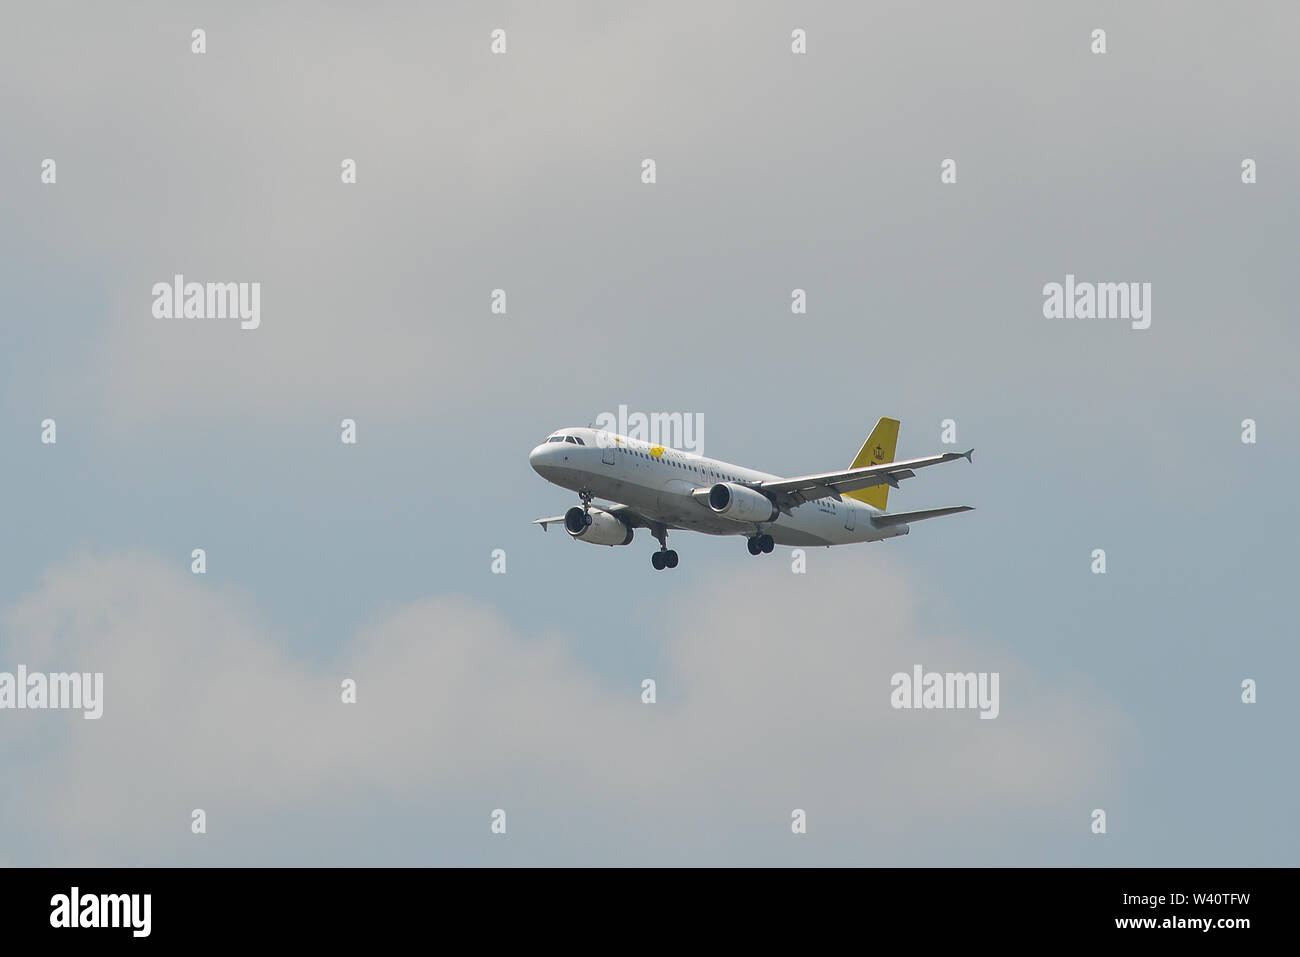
<point x="774" y="694"/>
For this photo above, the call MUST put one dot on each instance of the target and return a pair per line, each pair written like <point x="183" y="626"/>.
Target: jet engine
<point x="597" y="527"/>
<point x="741" y="504"/>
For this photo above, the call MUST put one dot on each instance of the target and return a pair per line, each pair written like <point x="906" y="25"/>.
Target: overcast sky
<point x="522" y="171"/>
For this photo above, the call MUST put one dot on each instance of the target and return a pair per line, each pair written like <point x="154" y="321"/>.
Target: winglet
<point x="968" y="453"/>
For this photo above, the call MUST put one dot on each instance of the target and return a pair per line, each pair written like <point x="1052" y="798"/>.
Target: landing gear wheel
<point x="586" y="496"/>
<point x="753" y="545"/>
<point x="665" y="557"/>
<point x="766" y="543"/>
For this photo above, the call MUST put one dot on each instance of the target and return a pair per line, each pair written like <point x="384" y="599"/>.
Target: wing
<point x="787" y="493"/>
<point x="628" y="515"/>
<point x="634" y="519"/>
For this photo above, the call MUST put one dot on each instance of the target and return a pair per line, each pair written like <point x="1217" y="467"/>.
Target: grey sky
<point x="522" y="691"/>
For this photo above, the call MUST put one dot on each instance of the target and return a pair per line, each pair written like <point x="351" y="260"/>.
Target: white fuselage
<point x="660" y="483"/>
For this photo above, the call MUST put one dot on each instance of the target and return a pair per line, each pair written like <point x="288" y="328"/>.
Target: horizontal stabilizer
<point x="904" y="518"/>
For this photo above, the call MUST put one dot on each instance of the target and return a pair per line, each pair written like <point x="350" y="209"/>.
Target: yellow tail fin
<point x="877" y="450"/>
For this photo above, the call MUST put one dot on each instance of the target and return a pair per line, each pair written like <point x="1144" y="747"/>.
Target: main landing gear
<point x="586" y="496"/>
<point x="761" y="544"/>
<point x="665" y="557"/>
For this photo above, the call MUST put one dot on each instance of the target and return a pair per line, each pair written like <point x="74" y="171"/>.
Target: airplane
<point x="663" y="489"/>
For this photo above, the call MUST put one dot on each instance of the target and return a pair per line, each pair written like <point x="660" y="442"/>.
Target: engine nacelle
<point x="741" y="504"/>
<point x="597" y="527"/>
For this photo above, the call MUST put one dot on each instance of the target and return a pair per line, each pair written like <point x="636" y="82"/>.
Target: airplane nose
<point x="537" y="458"/>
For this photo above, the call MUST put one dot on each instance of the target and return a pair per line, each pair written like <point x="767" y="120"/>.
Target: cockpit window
<point x="571" y="440"/>
<point x="556" y="438"/>
<point x="578" y="439"/>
